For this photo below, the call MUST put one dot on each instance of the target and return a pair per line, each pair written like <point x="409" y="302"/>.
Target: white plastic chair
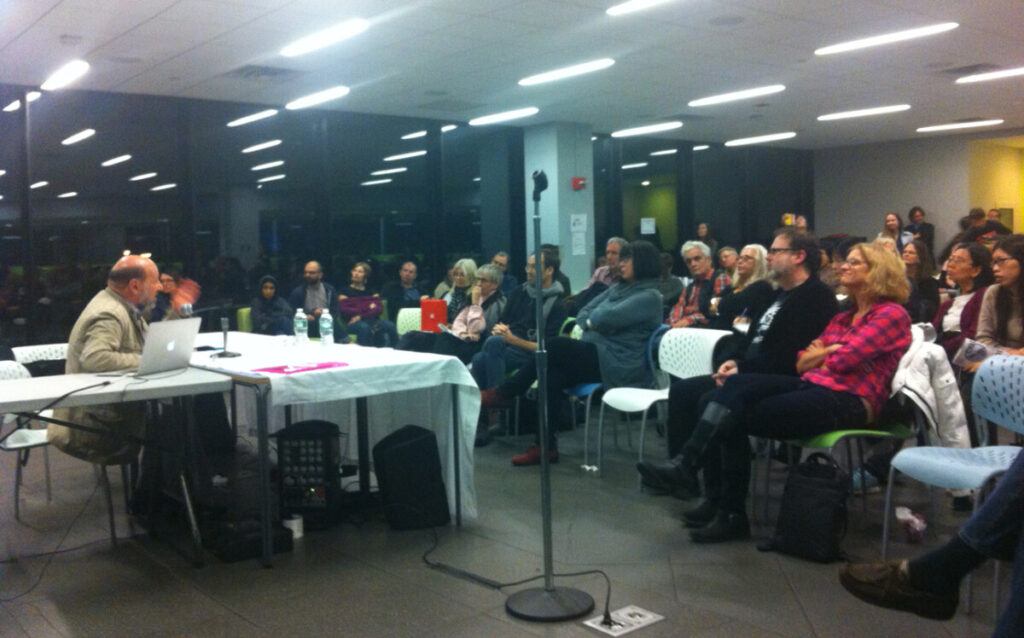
<point x="997" y="396"/>
<point x="682" y="353"/>
<point x="408" y="319"/>
<point x="23" y="438"/>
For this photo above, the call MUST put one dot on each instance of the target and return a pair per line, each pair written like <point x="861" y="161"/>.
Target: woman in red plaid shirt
<point x="844" y="382"/>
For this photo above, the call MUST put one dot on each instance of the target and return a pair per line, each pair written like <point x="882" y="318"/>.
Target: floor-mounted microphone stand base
<point x="542" y="605"/>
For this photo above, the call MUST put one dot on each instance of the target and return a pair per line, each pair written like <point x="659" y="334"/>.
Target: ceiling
<point x="458" y="59"/>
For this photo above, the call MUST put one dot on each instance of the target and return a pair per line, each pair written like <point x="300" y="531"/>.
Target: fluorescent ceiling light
<point x="667" y="151"/>
<point x="319" y="97"/>
<point x="887" y="38"/>
<point x="878" y="110"/>
<point x="13" y="106"/>
<point x="65" y="75"/>
<point x="567" y="72"/>
<point x="633" y="5"/>
<point x="738" y="95"/>
<point x="412" y="136"/>
<point x="375" y="182"/>
<point x="326" y="37"/>
<point x="701" y="147"/>
<point x="139" y="178"/>
<point x="31" y="96"/>
<point x="958" y="125"/>
<point x="261" y="146"/>
<point x="271" y="178"/>
<point x="448" y="127"/>
<point x="402" y="156"/>
<point x="993" y="75"/>
<point x="67" y="195"/>
<point x="263" y="167"/>
<point x="116" y="160"/>
<point x="40" y="184"/>
<point x="476" y="179"/>
<point x="504" y="116"/>
<point x="2" y="172"/>
<point x="646" y="182"/>
<point x="163" y="187"/>
<point x="390" y="171"/>
<point x="253" y="118"/>
<point x="78" y="137"/>
<point x="650" y="128"/>
<point x="761" y="139"/>
<point x="626" y="167"/>
<point x="593" y="138"/>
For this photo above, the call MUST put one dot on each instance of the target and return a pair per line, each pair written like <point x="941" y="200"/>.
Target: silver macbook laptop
<point x="168" y="345"/>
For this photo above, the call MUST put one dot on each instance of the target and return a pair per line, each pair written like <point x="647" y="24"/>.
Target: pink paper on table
<point x="302" y="367"/>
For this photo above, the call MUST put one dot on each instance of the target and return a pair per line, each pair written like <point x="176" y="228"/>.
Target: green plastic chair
<point x="244" y="319"/>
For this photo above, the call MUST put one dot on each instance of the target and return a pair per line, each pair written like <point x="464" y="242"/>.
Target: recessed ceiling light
<point x="476" y="179"/>
<point x="319" y="97"/>
<point x="567" y="72"/>
<point x="626" y="167"/>
<point x="116" y="160"/>
<point x="887" y="38"/>
<point x="646" y="182"/>
<point x="65" y="75"/>
<point x="650" y="128"/>
<point x="139" y="178"/>
<point x="248" y="119"/>
<point x="878" y="110"/>
<point x="448" y="127"/>
<point x="958" y="125"/>
<point x="760" y="139"/>
<point x="163" y="187"/>
<point x="263" y="167"/>
<point x="504" y="116"/>
<point x="326" y="37"/>
<point x="271" y="178"/>
<point x="261" y="146"/>
<point x="738" y="95"/>
<point x="78" y="137"/>
<point x="701" y="147"/>
<point x="993" y="75"/>
<point x="2" y="172"/>
<point x="412" y="136"/>
<point x="633" y="5"/>
<point x="667" y="151"/>
<point x="402" y="156"/>
<point x="390" y="171"/>
<point x="40" y="184"/>
<point x="593" y="138"/>
<point x="375" y="182"/>
<point x="67" y="195"/>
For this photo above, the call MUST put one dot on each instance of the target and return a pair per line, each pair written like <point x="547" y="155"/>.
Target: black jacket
<point x="520" y="313"/>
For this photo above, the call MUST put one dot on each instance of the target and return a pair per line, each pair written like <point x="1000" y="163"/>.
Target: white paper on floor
<point x="625" y="620"/>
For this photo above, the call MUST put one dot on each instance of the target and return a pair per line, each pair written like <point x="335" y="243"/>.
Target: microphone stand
<point x="550" y="603"/>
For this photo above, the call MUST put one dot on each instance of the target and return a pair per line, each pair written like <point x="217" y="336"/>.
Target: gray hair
<point x="490" y="271"/>
<point x="501" y="253"/>
<point x="616" y="240"/>
<point x="468" y="268"/>
<point x="693" y="243"/>
<point x="760" y="266"/>
<point x="727" y="249"/>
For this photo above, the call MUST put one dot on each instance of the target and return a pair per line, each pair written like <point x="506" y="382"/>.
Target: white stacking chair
<point x="682" y="353"/>
<point x="23" y="438"/>
<point x="998" y="396"/>
<point x="408" y="319"/>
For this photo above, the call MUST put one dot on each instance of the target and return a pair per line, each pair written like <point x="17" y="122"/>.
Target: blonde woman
<point x="751" y="290"/>
<point x="463" y="278"/>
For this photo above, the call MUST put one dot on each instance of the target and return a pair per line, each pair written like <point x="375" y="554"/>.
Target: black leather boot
<point x="725" y="526"/>
<point x="701" y="515"/>
<point x="675" y="475"/>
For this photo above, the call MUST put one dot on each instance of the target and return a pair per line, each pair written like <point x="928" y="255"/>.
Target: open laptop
<point x="168" y="346"/>
<point x="432" y="313"/>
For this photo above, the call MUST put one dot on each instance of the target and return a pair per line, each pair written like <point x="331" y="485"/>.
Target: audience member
<point x="360" y="308"/>
<point x="463" y="278"/>
<point x="508" y="282"/>
<point x="694" y="304"/>
<point x="921" y="229"/>
<point x="993" y="220"/>
<point x="924" y="288"/>
<point x="727" y="259"/>
<point x="442" y="288"/>
<point x="270" y="313"/>
<point x="669" y="285"/>
<point x="613" y="348"/>
<point x="605" y="275"/>
<point x="704" y="236"/>
<point x="560" y="276"/>
<point x="750" y="292"/>
<point x="970" y="269"/>
<point x="313" y="296"/>
<point x="404" y="293"/>
<point x="894" y="230"/>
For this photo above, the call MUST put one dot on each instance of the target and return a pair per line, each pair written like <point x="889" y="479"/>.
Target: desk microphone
<point x="225" y="352"/>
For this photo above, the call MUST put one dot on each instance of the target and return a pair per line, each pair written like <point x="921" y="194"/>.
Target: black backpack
<point x="812" y="517"/>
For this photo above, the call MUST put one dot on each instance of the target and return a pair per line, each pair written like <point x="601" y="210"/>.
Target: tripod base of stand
<point x="226" y="354"/>
<point x="542" y="605"/>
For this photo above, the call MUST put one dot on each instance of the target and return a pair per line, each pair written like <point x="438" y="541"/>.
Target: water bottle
<point x="300" y="326"/>
<point x="326" y="328"/>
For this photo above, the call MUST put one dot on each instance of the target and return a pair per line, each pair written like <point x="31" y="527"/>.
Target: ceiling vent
<point x="970" y="69"/>
<point x="263" y="74"/>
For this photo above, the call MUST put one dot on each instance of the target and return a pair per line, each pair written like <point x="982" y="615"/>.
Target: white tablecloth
<point x="401" y="388"/>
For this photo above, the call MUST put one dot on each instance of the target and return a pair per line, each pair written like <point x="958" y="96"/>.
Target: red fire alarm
<point x="579" y="183"/>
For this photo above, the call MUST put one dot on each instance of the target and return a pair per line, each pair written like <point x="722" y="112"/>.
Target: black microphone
<point x="540" y="184"/>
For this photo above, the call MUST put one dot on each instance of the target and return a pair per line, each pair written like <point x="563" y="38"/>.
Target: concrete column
<point x="563" y="151"/>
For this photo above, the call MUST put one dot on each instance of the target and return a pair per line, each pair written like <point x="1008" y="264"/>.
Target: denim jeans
<point x="494" y="360"/>
<point x="995" y="531"/>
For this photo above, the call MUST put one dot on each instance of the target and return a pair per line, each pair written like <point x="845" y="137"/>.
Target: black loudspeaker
<point x="408" y="468"/>
<point x="308" y="463"/>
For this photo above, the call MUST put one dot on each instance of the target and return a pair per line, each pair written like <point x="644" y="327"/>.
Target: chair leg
<point x="105" y="484"/>
<point x="887" y="513"/>
<point x="767" y="477"/>
<point x="17" y="486"/>
<point x="863" y="492"/>
<point x="640" y="454"/>
<point x="46" y="465"/>
<point x="586" y="440"/>
<point x="600" y="436"/>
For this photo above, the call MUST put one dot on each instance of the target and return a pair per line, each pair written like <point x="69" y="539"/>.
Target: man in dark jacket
<point x="802" y="308"/>
<point x="313" y="296"/>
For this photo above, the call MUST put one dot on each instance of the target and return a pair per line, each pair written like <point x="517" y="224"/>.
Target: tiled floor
<point x="371" y="581"/>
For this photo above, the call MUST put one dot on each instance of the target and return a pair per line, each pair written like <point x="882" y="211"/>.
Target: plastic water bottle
<point x="300" y="326"/>
<point x="326" y="328"/>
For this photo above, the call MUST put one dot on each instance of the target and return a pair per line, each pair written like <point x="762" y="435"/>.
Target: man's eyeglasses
<point x="775" y="251"/>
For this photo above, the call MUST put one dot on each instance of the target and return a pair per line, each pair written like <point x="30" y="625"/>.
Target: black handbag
<point x="812" y="517"/>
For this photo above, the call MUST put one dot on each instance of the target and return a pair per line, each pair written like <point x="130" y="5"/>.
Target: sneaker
<point x="888" y="585"/>
<point x="492" y="398"/>
<point x="864" y="481"/>
<point x="532" y="457"/>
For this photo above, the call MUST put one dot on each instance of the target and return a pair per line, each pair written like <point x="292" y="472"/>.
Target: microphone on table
<point x="224" y="329"/>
